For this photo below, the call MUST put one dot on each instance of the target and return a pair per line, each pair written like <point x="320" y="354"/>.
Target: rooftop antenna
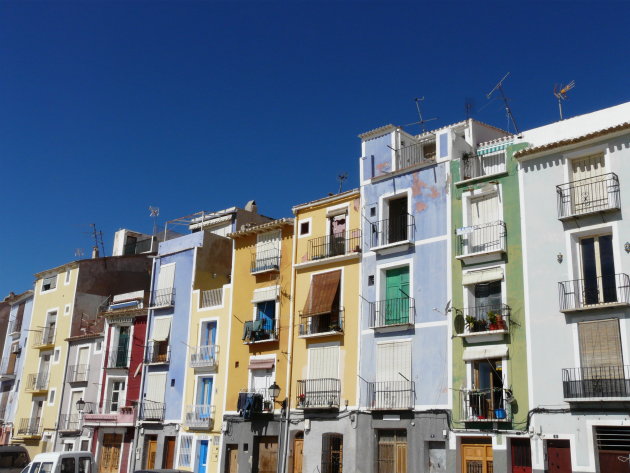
<point x="561" y="94"/>
<point x="468" y="107"/>
<point x="508" y="110"/>
<point x="421" y="120"/>
<point x="78" y="252"/>
<point x="98" y="238"/>
<point x="154" y="212"/>
<point x="342" y="177"/>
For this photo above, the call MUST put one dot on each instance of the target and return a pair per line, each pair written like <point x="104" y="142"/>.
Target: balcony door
<point x="397" y="224"/>
<point x="122" y="347"/>
<point x="598" y="270"/>
<point x="337" y="235"/>
<point x="601" y="359"/>
<point x="117" y="396"/>
<point x="487" y="395"/>
<point x="265" y="318"/>
<point x="204" y="390"/>
<point x="44" y="367"/>
<point x="208" y="333"/>
<point x="397" y="296"/>
<point x="487" y="298"/>
<point x="589" y="191"/>
<point x="83" y="360"/>
<point x="323" y="368"/>
<point x="393" y="376"/>
<point x="484" y="210"/>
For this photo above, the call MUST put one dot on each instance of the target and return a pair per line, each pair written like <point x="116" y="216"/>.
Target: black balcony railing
<point x="163" y="297"/>
<point x="254" y="402"/>
<point x="488" y="317"/>
<point x="158" y="352"/>
<point x="592" y="292"/>
<point x="336" y="244"/>
<point x="485" y="405"/>
<point x="415" y="154"/>
<point x="30" y="426"/>
<point x="486" y="238"/>
<point x="69" y="422"/>
<point x="391" y="394"/>
<point x="37" y="381"/>
<point x="388" y="312"/>
<point x="597" y="381"/>
<point x="139" y="247"/>
<point x="318" y="393"/>
<point x="259" y="330"/>
<point x="267" y="260"/>
<point x="152" y="411"/>
<point x="119" y="357"/>
<point x="330" y="322"/>
<point x="474" y="166"/>
<point x="45" y="337"/>
<point x="585" y="196"/>
<point x="392" y="230"/>
<point x="79" y="373"/>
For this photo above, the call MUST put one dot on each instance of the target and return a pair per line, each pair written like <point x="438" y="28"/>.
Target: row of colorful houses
<point x="464" y="309"/>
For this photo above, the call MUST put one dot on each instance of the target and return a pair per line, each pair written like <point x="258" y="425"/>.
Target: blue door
<point x="202" y="458"/>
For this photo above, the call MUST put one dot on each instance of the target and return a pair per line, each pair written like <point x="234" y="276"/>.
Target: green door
<point x="397" y="296"/>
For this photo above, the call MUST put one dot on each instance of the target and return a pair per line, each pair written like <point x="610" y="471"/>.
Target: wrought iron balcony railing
<point x="390" y="312"/>
<point x="268" y="260"/>
<point x="163" y="297"/>
<point x="330" y="322"/>
<point x="392" y="230"/>
<point x="336" y="244"/>
<point x="415" y="154"/>
<point x="393" y="395"/>
<point x="211" y="297"/>
<point x="152" y="411"/>
<point x="475" y="166"/>
<point x="589" y="293"/>
<point x="485" y="405"/>
<point x="206" y="356"/>
<point x="118" y="357"/>
<point x="259" y="331"/>
<point x="199" y="416"/>
<point x="587" y="196"/>
<point x="44" y="338"/>
<point x="158" y="352"/>
<point x="30" y="426"/>
<point x="596" y="382"/>
<point x="318" y="393"/>
<point x="79" y="373"/>
<point x="69" y="422"/>
<point x="37" y="381"/>
<point x="486" y="238"/>
<point x="254" y="402"/>
<point x="484" y="318"/>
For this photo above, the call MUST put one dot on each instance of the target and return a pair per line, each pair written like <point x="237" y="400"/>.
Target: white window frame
<point x="260" y="357"/>
<point x="470" y="372"/>
<point x="569" y="157"/>
<point x="191" y="440"/>
<point x="469" y="289"/>
<point x="110" y="380"/>
<point x="323" y="345"/>
<point x="486" y="191"/>
<point x="196" y="387"/>
<point x="52" y="396"/>
<point x="381" y="270"/>
<point x="383" y="204"/>
<point x="56" y="356"/>
<point x="66" y="280"/>
<point x="66" y="309"/>
<point x="47" y="291"/>
<point x="308" y="220"/>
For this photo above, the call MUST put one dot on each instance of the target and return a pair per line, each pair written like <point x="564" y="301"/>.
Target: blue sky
<point x="109" y="107"/>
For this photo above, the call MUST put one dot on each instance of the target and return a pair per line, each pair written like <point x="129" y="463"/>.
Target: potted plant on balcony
<point x="492" y="320"/>
<point x="301" y="399"/>
<point x="476" y="325"/>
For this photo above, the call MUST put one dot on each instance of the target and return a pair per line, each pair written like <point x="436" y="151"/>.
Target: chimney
<point x="251" y="206"/>
<point x="94" y="252"/>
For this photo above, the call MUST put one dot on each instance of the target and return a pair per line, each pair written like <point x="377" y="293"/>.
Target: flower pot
<point x="500" y="414"/>
<point x="493" y="327"/>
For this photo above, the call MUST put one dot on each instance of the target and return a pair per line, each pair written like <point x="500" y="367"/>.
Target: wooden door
<point x="168" y="457"/>
<point x="110" y="453"/>
<point x="267" y="454"/>
<point x="559" y="456"/>
<point x="151" y="452"/>
<point x="477" y="458"/>
<point x="298" y="447"/>
<point x="232" y="459"/>
<point x="521" y="456"/>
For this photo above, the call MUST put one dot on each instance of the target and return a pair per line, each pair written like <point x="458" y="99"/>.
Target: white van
<point x="62" y="462"/>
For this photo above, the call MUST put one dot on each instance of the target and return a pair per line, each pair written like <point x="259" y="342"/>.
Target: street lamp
<point x="80" y="405"/>
<point x="274" y="391"/>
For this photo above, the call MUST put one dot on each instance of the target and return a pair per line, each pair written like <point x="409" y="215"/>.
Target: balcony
<point x="320" y="325"/>
<point x="588" y="196"/>
<point x="392" y="232"/>
<point x="594" y="293"/>
<point x="211" y="298"/>
<point x="162" y="298"/>
<point x="7" y="368"/>
<point x="158" y="353"/>
<point x="251" y="403"/>
<point x="479" y="166"/>
<point x="204" y="357"/>
<point x="324" y="393"/>
<point x="260" y="331"/>
<point x="336" y="245"/>
<point x="415" y="154"/>
<point x="393" y="314"/>
<point x="485" y="323"/>
<point x="391" y="395"/>
<point x="118" y="358"/>
<point x="30" y="427"/>
<point x="44" y="338"/>
<point x="199" y="416"/>
<point x="78" y="373"/>
<point x="15" y="327"/>
<point x="110" y="412"/>
<point x="485" y="405"/>
<point x="152" y="411"/>
<point x="265" y="261"/>
<point x="69" y="423"/>
<point x="481" y="243"/>
<point x="139" y="247"/>
<point x="599" y="383"/>
<point x="37" y="382"/>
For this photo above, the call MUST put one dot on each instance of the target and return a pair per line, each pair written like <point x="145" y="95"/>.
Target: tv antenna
<point x="342" y="177"/>
<point x="98" y="238"/>
<point x="508" y="110"/>
<point x="78" y="252"/>
<point x="421" y="120"/>
<point x="154" y="212"/>
<point x="561" y="94"/>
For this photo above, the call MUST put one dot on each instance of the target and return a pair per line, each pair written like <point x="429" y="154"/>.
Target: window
<point x="66" y="310"/>
<point x="332" y="453"/>
<point x="395" y="309"/>
<point x="204" y="390"/>
<point x="67" y="465"/>
<point x="263" y="326"/>
<point x="397" y="226"/>
<point x="56" y="355"/>
<point x="392" y="451"/>
<point x="154" y="392"/>
<point x="598" y="270"/>
<point x="322" y="311"/>
<point x="600" y="349"/>
<point x="49" y="283"/>
<point x="393" y="387"/>
<point x="51" y="397"/>
<point x="99" y="346"/>
<point x="163" y="295"/>
<point x="487" y="393"/>
<point x="484" y="235"/>
<point x="185" y="451"/>
<point x="159" y="346"/>
<point x="85" y="463"/>
<point x="67" y="280"/>
<point x="267" y="252"/>
<point x="337" y="231"/>
<point x="119" y="358"/>
<point x="305" y="228"/>
<point x="117" y="396"/>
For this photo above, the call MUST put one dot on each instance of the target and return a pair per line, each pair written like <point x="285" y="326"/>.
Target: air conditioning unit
<point x="16" y="348"/>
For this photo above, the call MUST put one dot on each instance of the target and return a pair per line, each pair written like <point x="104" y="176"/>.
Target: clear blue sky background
<point x="107" y="108"/>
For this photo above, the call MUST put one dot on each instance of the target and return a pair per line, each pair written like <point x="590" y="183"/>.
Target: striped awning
<point x="265" y="364"/>
<point x="493" y="148"/>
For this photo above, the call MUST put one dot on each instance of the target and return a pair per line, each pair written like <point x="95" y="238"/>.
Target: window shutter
<point x="156" y="383"/>
<point x="600" y="343"/>
<point x="393" y="360"/>
<point x="322" y="293"/>
<point x="166" y="278"/>
<point x="323" y="362"/>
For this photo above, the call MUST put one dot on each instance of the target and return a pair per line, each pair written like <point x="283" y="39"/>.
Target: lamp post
<point x="80" y="406"/>
<point x="274" y="392"/>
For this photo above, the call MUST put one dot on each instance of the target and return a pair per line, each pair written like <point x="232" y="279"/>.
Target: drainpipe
<point x="287" y="413"/>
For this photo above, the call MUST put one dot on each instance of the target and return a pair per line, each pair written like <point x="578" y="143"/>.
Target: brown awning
<point x="321" y="295"/>
<point x="261" y="364"/>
